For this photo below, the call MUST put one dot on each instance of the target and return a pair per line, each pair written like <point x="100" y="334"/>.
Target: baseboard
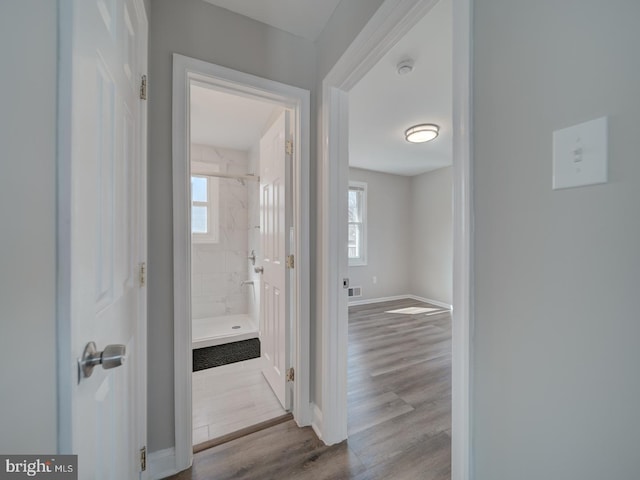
<point x="400" y="297"/>
<point x="433" y="302"/>
<point x="316" y="424"/>
<point x="162" y="464"/>
<point x="377" y="300"/>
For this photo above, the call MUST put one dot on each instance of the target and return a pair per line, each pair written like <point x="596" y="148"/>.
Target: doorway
<point x="240" y="254"/>
<point x="389" y="23"/>
<point x="233" y="338"/>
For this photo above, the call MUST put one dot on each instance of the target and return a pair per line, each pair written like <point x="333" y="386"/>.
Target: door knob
<point x="258" y="269"/>
<point x="112" y="356"/>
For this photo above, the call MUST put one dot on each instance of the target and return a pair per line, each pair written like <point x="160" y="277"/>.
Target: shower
<point x="224" y="300"/>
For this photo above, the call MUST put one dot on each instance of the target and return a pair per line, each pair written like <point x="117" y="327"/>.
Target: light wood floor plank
<point x="399" y="411"/>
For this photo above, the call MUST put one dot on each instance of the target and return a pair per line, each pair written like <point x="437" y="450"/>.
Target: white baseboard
<point x="400" y="297"/>
<point x="316" y="424"/>
<point x="162" y="463"/>
<point x="377" y="300"/>
<point x="433" y="302"/>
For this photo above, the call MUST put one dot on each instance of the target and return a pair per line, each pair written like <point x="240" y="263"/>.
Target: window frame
<point x="362" y="259"/>
<point x="206" y="170"/>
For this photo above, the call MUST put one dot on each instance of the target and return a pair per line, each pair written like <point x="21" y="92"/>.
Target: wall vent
<point x="355" y="292"/>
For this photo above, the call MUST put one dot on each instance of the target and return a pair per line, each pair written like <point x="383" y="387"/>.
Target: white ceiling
<point x="305" y="18"/>
<point x="381" y="106"/>
<point x="384" y="104"/>
<point x="227" y="121"/>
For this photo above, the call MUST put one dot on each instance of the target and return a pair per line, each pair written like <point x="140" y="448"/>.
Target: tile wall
<point x="218" y="269"/>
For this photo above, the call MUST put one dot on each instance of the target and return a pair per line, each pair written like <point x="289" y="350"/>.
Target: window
<point x="357" y="217"/>
<point x="204" y="204"/>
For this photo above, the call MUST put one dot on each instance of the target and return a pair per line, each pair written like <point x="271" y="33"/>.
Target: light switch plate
<point x="580" y="154"/>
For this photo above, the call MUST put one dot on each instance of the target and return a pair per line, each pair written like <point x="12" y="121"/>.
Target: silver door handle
<point x="258" y="269"/>
<point x="111" y="357"/>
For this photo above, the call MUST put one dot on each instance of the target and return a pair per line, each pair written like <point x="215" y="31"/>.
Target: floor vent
<point x="355" y="292"/>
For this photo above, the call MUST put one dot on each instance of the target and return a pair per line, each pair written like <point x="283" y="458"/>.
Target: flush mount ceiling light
<point x="424" y="132"/>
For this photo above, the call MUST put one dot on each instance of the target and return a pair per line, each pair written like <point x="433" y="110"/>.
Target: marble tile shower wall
<point x="217" y="269"/>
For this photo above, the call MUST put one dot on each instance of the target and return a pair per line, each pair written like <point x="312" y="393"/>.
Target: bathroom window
<point x="204" y="204"/>
<point x="357" y="216"/>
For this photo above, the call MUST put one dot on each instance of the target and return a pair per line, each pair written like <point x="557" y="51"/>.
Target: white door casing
<point x="297" y="101"/>
<point x="390" y="22"/>
<point x="102" y="233"/>
<point x="275" y="223"/>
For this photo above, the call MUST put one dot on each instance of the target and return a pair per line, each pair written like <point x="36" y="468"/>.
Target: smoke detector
<point x="405" y="67"/>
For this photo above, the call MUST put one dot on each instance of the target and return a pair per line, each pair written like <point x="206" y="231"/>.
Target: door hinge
<point x="291" y="262"/>
<point x="289" y="147"/>
<point x="143" y="459"/>
<point x="143" y="88"/>
<point x="142" y="274"/>
<point x="291" y="374"/>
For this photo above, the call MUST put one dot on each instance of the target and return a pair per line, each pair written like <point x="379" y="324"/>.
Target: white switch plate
<point x="580" y="154"/>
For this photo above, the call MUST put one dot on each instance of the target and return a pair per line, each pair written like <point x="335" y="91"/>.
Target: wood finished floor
<point x="399" y="411"/>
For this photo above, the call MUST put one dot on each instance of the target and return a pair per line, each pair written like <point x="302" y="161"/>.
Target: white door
<point x="102" y="232"/>
<point x="275" y="223"/>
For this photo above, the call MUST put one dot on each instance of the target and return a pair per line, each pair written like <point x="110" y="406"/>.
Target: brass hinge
<point x="291" y="262"/>
<point x="291" y="374"/>
<point x="289" y="147"/>
<point x="143" y="88"/>
<point x="143" y="459"/>
<point x="142" y="274"/>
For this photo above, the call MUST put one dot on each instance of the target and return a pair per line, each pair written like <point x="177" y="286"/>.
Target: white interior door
<point x="102" y="231"/>
<point x="275" y="222"/>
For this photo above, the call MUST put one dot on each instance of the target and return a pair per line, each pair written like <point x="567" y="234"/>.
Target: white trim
<point x="369" y="301"/>
<point x="186" y="69"/>
<point x="316" y="424"/>
<point x="162" y="464"/>
<point x="437" y="303"/>
<point x="142" y="378"/>
<point x="392" y="20"/>
<point x="410" y="296"/>
<point x="462" y="317"/>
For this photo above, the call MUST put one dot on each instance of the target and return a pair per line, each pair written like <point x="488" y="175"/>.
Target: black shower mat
<point x="219" y="355"/>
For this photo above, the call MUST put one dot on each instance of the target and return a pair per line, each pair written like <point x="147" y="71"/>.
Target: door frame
<point x="65" y="380"/>
<point x="391" y="22"/>
<point x="297" y="99"/>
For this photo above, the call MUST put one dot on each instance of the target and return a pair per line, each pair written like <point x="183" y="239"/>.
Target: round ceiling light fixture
<point x="425" y="132"/>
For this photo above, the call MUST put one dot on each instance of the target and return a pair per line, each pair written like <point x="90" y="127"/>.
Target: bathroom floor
<point x="229" y="398"/>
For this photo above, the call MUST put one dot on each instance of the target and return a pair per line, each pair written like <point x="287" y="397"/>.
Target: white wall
<point x="388" y="235"/>
<point x="201" y="30"/>
<point x="431" y="256"/>
<point x="28" y="85"/>
<point x="556" y="393"/>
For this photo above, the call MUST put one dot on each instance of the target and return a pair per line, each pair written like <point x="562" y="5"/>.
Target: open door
<point x="102" y="236"/>
<point x="275" y="224"/>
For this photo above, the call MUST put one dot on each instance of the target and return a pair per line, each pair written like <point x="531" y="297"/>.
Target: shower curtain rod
<point x="249" y="176"/>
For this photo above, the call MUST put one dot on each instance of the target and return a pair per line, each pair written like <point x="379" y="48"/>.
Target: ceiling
<point x="227" y="121"/>
<point x="384" y="104"/>
<point x="305" y="18"/>
<point x="381" y="106"/>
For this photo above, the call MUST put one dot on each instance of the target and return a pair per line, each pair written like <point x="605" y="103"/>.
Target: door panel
<point x="106" y="180"/>
<point x="274" y="224"/>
